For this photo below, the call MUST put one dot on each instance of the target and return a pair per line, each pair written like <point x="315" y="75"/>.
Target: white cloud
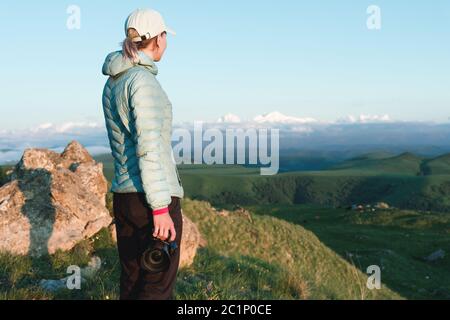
<point x="44" y="126"/>
<point x="66" y="127"/>
<point x="93" y="134"/>
<point x="52" y="136"/>
<point x="365" y="118"/>
<point x="229" y="118"/>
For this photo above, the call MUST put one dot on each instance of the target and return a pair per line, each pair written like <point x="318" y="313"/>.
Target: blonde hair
<point x="130" y="49"/>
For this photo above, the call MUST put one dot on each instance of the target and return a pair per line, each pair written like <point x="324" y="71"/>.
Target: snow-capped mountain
<point x="278" y="117"/>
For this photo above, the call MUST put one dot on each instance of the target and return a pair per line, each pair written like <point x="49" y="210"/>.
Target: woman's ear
<point x="159" y="39"/>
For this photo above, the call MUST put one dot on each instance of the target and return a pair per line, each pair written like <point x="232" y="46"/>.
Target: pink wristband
<point x="160" y="211"/>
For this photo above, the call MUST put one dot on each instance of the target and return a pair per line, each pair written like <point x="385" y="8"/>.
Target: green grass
<point x="305" y="267"/>
<point x="247" y="257"/>
<point x="396" y="240"/>
<point x="275" y="252"/>
<point x="439" y="165"/>
<point x="20" y="275"/>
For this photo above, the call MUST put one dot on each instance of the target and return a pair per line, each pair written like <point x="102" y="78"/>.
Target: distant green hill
<point x="405" y="181"/>
<point x="413" y="192"/>
<point x="398" y="180"/>
<point x="374" y="155"/>
<point x="406" y="163"/>
<point x="439" y="165"/>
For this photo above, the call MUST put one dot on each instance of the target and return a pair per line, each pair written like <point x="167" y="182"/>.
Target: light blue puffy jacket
<point x="138" y="116"/>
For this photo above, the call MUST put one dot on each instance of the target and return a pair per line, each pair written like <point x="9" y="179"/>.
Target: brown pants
<point x="134" y="226"/>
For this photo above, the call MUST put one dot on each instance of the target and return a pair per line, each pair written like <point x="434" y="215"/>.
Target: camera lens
<point x="156" y="257"/>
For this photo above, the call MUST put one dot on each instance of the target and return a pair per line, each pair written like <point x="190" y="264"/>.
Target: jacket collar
<point x="146" y="61"/>
<point x="115" y="64"/>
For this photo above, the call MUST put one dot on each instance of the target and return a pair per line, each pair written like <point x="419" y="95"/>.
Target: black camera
<point x="158" y="255"/>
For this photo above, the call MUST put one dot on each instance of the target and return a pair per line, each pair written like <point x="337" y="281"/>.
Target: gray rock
<point x="437" y="255"/>
<point x="53" y="285"/>
<point x="382" y="206"/>
<point x="191" y="240"/>
<point x="87" y="273"/>
<point x="93" y="266"/>
<point x="52" y="201"/>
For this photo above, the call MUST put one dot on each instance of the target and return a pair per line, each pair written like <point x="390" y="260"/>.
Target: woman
<point x="147" y="188"/>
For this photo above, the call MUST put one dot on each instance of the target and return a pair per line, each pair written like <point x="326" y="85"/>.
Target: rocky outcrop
<point x="191" y="240"/>
<point x="52" y="201"/>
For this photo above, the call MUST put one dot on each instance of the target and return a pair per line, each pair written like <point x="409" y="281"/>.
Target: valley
<point x="308" y="234"/>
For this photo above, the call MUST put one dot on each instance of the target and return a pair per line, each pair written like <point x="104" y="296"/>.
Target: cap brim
<point x="171" y="31"/>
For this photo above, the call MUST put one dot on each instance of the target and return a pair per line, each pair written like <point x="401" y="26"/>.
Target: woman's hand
<point x="162" y="225"/>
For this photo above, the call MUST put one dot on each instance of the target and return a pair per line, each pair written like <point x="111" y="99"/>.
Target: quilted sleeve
<point x="147" y="110"/>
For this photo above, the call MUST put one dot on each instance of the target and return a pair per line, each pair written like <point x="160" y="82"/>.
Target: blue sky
<point x="302" y="58"/>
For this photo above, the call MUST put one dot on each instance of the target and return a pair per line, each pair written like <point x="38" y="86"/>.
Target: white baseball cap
<point x="148" y="23"/>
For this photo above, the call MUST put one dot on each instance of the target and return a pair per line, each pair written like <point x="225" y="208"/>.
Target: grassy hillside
<point x="399" y="180"/>
<point x="304" y="266"/>
<point x="251" y="256"/>
<point x="272" y="252"/>
<point x="396" y="240"/>
<point x="439" y="165"/>
<point x="404" y="164"/>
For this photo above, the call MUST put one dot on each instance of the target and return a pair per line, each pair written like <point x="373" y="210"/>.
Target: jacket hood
<point x="116" y="63"/>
